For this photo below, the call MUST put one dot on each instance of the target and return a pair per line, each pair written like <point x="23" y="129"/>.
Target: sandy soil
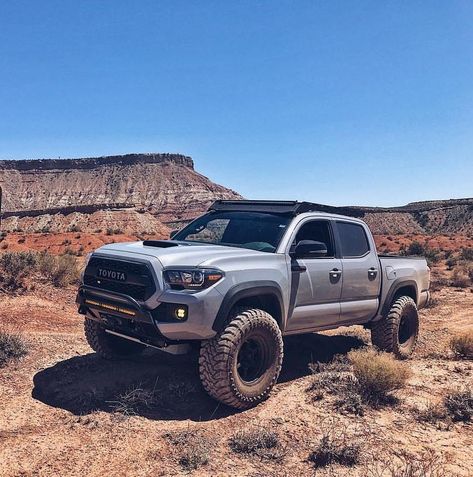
<point x="58" y="417"/>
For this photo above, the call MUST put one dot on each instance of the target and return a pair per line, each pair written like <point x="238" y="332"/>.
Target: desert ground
<point x="61" y="411"/>
<point x="64" y="411"/>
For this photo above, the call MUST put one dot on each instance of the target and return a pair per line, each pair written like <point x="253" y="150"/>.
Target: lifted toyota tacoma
<point x="238" y="279"/>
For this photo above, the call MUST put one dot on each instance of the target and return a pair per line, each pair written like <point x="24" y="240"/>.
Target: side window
<point x="319" y="231"/>
<point x="353" y="239"/>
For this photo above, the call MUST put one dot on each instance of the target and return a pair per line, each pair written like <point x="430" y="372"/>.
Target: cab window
<point x="353" y="239"/>
<point x="319" y="231"/>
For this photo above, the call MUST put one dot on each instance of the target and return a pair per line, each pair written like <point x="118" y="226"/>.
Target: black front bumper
<point x="120" y="313"/>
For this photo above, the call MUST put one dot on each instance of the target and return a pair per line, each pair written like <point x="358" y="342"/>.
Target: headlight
<point x="192" y="279"/>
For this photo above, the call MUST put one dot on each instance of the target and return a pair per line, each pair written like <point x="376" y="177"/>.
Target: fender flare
<point x="395" y="287"/>
<point x="247" y="290"/>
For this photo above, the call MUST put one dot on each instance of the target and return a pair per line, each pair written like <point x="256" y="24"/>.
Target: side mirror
<point x="310" y="249"/>
<point x="173" y="233"/>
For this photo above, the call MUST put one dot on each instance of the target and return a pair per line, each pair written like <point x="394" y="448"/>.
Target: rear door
<point x="361" y="272"/>
<point x="316" y="282"/>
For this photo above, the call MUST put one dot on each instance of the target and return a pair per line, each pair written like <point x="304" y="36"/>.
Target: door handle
<point x="372" y="272"/>
<point x="335" y="274"/>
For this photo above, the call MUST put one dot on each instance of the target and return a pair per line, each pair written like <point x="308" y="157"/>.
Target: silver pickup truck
<point x="239" y="278"/>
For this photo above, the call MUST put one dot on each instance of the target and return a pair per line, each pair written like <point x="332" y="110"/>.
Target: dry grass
<point x="460" y="277"/>
<point x="61" y="270"/>
<point x="405" y="464"/>
<point x="12" y="346"/>
<point x="336" y="446"/>
<point x="378" y="374"/>
<point x="15" y="268"/>
<point x="459" y="405"/>
<point x="462" y="345"/>
<point x="258" y="440"/>
<point x="193" y="448"/>
<point x="19" y="269"/>
<point x="432" y="413"/>
<point x="133" y="399"/>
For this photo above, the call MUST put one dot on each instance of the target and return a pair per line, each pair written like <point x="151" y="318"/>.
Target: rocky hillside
<point x="144" y="189"/>
<point x="138" y="193"/>
<point x="453" y="216"/>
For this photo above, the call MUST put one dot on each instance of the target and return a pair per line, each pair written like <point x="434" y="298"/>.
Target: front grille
<point x="139" y="282"/>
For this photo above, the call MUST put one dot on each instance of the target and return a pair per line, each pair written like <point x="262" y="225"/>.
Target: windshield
<point x="253" y="230"/>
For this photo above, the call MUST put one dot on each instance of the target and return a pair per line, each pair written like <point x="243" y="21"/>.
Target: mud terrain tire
<point x="397" y="332"/>
<point x="108" y="346"/>
<point x="241" y="364"/>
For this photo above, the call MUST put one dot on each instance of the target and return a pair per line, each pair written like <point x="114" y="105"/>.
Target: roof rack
<point x="286" y="207"/>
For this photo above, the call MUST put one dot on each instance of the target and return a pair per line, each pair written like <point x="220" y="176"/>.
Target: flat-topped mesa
<point x="164" y="184"/>
<point x="94" y="162"/>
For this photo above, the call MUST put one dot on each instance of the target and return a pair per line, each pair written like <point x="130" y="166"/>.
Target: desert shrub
<point x="12" y="346"/>
<point x="431" y="413"/>
<point x="460" y="278"/>
<point x="400" y="463"/>
<point x="132" y="399"/>
<point x="451" y="262"/>
<point x="459" y="405"/>
<point x="109" y="231"/>
<point x="332" y="450"/>
<point x="335" y="377"/>
<point x="193" y="448"/>
<point x="74" y="228"/>
<point x="22" y="240"/>
<point x="260" y="440"/>
<point x="15" y="267"/>
<point x="45" y="230"/>
<point x="378" y="374"/>
<point x="466" y="254"/>
<point x="416" y="248"/>
<point x="462" y="345"/>
<point x="61" y="270"/>
<point x="351" y="402"/>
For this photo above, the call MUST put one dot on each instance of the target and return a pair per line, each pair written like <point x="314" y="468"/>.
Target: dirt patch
<point x="61" y="412"/>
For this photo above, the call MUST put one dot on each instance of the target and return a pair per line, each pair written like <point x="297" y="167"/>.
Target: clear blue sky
<point x="341" y="102"/>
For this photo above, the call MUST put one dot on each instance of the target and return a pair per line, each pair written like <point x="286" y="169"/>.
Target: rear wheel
<point x="109" y="346"/>
<point x="240" y="365"/>
<point x="398" y="331"/>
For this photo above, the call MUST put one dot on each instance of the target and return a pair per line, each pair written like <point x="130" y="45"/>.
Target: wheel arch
<point x="400" y="287"/>
<point x="266" y="295"/>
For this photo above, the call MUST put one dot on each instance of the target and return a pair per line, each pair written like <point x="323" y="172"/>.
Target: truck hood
<point x="174" y="253"/>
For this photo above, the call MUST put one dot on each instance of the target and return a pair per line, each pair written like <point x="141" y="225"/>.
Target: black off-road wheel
<point x="241" y="364"/>
<point x="109" y="346"/>
<point x="398" y="331"/>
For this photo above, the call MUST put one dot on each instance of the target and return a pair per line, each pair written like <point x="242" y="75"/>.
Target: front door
<point x="316" y="282"/>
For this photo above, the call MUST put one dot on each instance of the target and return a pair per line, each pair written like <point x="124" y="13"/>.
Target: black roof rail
<point x="286" y="207"/>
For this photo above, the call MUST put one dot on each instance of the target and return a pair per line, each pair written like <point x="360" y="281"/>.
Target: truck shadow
<point x="160" y="386"/>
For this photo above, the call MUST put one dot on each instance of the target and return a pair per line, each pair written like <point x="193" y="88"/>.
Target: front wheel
<point x="109" y="346"/>
<point x="397" y="332"/>
<point x="241" y="364"/>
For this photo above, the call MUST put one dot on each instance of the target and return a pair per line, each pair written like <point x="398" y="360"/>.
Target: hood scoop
<point x="160" y="243"/>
